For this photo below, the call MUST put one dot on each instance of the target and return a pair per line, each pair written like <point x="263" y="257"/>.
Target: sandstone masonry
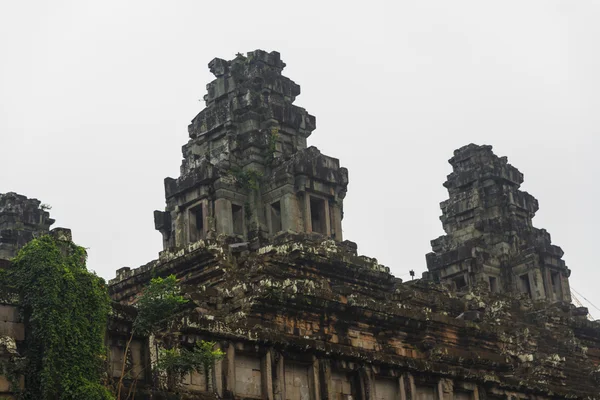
<point x="252" y="231"/>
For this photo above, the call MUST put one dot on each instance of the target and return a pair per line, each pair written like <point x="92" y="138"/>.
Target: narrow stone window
<point x="196" y="223"/>
<point x="493" y="284"/>
<point x="275" y="217"/>
<point x="317" y="215"/>
<point x="555" y="279"/>
<point x="460" y="282"/>
<point x="525" y="284"/>
<point x="237" y="216"/>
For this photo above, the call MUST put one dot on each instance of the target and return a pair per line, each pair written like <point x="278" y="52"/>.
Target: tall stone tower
<point x="21" y="220"/>
<point x="490" y="237"/>
<point x="247" y="172"/>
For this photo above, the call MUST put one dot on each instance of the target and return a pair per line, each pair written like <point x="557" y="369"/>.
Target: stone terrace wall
<point x="309" y="319"/>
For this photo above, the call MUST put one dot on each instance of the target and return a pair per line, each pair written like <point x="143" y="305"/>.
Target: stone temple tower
<point x="21" y="220"/>
<point x="490" y="237"/>
<point x="247" y="172"/>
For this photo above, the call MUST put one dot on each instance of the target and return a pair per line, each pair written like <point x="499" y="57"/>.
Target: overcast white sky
<point x="96" y="96"/>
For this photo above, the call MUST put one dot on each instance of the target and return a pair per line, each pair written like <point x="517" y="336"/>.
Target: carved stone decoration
<point x="247" y="172"/>
<point x="490" y="238"/>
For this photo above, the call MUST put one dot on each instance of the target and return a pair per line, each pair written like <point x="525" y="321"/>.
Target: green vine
<point x="247" y="179"/>
<point x="65" y="310"/>
<point x="247" y="210"/>
<point x="272" y="146"/>
<point x="178" y="362"/>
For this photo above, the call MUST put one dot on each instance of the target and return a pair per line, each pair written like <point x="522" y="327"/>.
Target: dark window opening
<point x="555" y="278"/>
<point x="460" y="282"/>
<point x="275" y="217"/>
<point x="493" y="284"/>
<point x="237" y="216"/>
<point x="525" y="285"/>
<point x="317" y="215"/>
<point x="196" y="223"/>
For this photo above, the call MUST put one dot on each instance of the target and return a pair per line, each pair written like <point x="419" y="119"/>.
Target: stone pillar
<point x="366" y="384"/>
<point x="223" y="217"/>
<point x="476" y="393"/>
<point x="230" y="369"/>
<point x="313" y="379"/>
<point x="336" y="220"/>
<point x="291" y="216"/>
<point x="267" y="375"/>
<point x="306" y="212"/>
<point x="327" y="219"/>
<point x="279" y="383"/>
<point x="565" y="288"/>
<point x="180" y="231"/>
<point x="537" y="285"/>
<point x="217" y="374"/>
<point x="547" y="283"/>
<point x="327" y="387"/>
<point x="402" y="388"/>
<point x="410" y="387"/>
<point x="445" y="389"/>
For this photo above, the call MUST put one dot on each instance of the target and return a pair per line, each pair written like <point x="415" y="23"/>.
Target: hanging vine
<point x="64" y="309"/>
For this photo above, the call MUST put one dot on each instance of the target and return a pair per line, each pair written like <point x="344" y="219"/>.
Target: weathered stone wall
<point x="21" y="220"/>
<point x="247" y="171"/>
<point x="314" y="315"/>
<point x="252" y="231"/>
<point x="490" y="238"/>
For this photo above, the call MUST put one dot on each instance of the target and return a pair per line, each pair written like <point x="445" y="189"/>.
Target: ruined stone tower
<point x="490" y="237"/>
<point x="21" y="220"/>
<point x="247" y="171"/>
<point x="252" y="233"/>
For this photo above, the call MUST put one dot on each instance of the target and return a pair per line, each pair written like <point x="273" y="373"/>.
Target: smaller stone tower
<point x="490" y="237"/>
<point x="21" y="220"/>
<point x="247" y="173"/>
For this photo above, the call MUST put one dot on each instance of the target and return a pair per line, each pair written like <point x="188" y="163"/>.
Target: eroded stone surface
<point x="300" y="315"/>
<point x="317" y="301"/>
<point x="490" y="238"/>
<point x="247" y="172"/>
<point x="21" y="220"/>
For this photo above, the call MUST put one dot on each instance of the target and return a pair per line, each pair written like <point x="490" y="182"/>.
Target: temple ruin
<point x="247" y="171"/>
<point x="490" y="237"/>
<point x="252" y="231"/>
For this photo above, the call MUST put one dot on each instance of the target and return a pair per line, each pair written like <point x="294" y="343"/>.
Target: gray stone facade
<point x="490" y="238"/>
<point x="247" y="172"/>
<point x="21" y="220"/>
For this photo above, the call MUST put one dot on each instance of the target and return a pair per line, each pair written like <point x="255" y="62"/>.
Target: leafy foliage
<point x="179" y="362"/>
<point x="272" y="146"/>
<point x="160" y="300"/>
<point x="158" y="304"/>
<point x="247" y="179"/>
<point x="65" y="310"/>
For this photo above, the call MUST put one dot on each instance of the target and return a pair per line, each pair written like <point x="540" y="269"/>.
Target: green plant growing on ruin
<point x="159" y="302"/>
<point x="247" y="210"/>
<point x="247" y="179"/>
<point x="65" y="309"/>
<point x="157" y="308"/>
<point x="272" y="146"/>
<point x="178" y="362"/>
